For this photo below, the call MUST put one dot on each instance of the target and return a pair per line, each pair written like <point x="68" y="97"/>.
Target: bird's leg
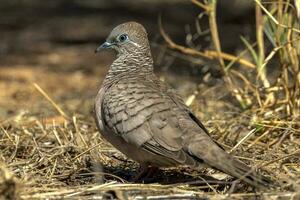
<point x="145" y="171"/>
<point x="151" y="171"/>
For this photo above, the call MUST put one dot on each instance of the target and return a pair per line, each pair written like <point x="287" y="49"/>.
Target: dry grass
<point x="55" y="157"/>
<point x="50" y="149"/>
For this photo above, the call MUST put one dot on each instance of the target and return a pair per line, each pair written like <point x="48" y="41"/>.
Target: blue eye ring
<point x="123" y="37"/>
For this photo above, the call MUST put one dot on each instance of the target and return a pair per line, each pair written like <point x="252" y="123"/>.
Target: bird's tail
<point x="245" y="173"/>
<point x="202" y="147"/>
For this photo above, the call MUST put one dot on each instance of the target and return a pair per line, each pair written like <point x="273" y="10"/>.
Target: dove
<point x="148" y="121"/>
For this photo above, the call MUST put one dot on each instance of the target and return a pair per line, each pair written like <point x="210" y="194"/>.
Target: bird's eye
<point x="123" y="37"/>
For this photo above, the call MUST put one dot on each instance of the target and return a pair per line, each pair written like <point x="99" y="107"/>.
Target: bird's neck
<point x="129" y="66"/>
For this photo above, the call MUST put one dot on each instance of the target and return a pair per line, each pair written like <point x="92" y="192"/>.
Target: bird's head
<point x="127" y="38"/>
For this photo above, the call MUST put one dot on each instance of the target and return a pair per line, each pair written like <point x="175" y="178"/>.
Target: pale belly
<point x="138" y="154"/>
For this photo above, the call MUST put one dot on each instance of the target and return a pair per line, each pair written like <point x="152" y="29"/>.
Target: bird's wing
<point x="179" y="101"/>
<point x="98" y="109"/>
<point x="181" y="104"/>
<point x="200" y="145"/>
<point x="146" y="117"/>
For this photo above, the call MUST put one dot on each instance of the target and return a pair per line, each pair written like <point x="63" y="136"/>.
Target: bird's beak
<point x="105" y="45"/>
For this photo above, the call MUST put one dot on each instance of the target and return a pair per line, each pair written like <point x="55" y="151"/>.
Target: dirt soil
<point x="50" y="147"/>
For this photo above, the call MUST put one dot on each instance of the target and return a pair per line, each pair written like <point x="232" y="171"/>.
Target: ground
<point x="48" y="155"/>
<point x="50" y="147"/>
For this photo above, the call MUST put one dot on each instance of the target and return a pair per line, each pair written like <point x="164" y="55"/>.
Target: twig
<point x="79" y="133"/>
<point x="257" y="139"/>
<point x="206" y="54"/>
<point x="261" y="54"/>
<point x="273" y="19"/>
<point x="7" y="135"/>
<point x="243" y="140"/>
<point x="59" y="110"/>
<point x="89" y="149"/>
<point x="57" y="137"/>
<point x="214" y="31"/>
<point x="201" y="5"/>
<point x="278" y="159"/>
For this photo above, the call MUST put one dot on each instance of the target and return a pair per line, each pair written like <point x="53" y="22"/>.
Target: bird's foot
<point x="145" y="172"/>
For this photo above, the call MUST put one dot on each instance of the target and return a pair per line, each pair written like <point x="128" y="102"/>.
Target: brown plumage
<point x="147" y="120"/>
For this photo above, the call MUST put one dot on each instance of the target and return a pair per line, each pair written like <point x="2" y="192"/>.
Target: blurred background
<point x="52" y="44"/>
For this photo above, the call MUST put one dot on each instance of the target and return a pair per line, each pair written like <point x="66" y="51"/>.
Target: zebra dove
<point x="147" y="121"/>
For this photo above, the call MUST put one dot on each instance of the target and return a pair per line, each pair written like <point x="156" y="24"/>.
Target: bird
<point x="147" y="120"/>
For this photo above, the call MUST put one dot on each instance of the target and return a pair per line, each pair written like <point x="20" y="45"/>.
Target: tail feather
<point x="247" y="174"/>
<point x="205" y="149"/>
